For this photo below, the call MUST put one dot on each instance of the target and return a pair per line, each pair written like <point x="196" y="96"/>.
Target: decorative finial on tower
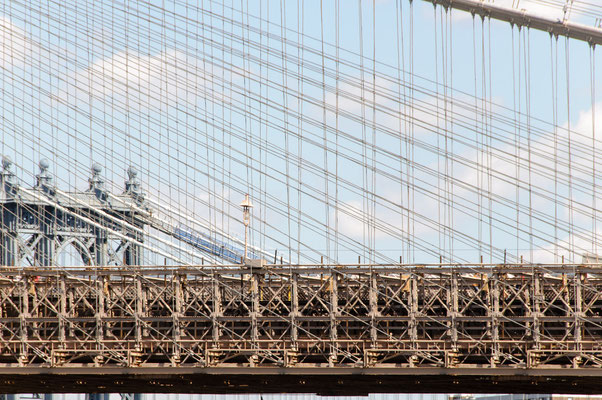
<point x="132" y="172"/>
<point x="7" y="163"/>
<point x="96" y="181"/>
<point x="44" y="179"/>
<point x="7" y="176"/>
<point x="132" y="186"/>
<point x="97" y="184"/>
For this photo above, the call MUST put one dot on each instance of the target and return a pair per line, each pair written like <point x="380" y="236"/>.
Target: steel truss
<point x="498" y="317"/>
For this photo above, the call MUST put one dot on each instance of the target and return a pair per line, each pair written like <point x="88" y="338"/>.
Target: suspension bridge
<point x="325" y="197"/>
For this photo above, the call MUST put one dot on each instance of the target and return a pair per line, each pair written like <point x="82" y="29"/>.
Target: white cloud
<point x="16" y="48"/>
<point x="148" y="82"/>
<point x="584" y="124"/>
<point x="574" y="248"/>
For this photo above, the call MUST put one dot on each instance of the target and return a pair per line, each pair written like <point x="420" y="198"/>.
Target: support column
<point x="62" y="310"/>
<point x="131" y="396"/>
<point x="453" y="310"/>
<point x="413" y="328"/>
<point x="23" y="316"/>
<point x="536" y="313"/>
<point x="495" y="319"/>
<point x="294" y="309"/>
<point x="334" y="313"/>
<point x="177" y="313"/>
<point x="101" y="283"/>
<point x="133" y="252"/>
<point x="578" y="315"/>
<point x="8" y="235"/>
<point x="8" y="242"/>
<point x="292" y="354"/>
<point x="98" y="396"/>
<point x="139" y="310"/>
<point x="45" y="248"/>
<point x="217" y="310"/>
<point x="374" y="314"/>
<point x="101" y="248"/>
<point x="255" y="277"/>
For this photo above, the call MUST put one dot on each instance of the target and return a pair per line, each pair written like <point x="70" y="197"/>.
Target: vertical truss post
<point x="139" y="313"/>
<point x="176" y="314"/>
<point x="494" y="311"/>
<point x="255" y="288"/>
<point x="413" y="318"/>
<point x="292" y="354"/>
<point x="294" y="309"/>
<point x="536" y="312"/>
<point x="578" y="277"/>
<point x="451" y="352"/>
<point x="139" y="309"/>
<point x="62" y="310"/>
<point x="373" y="308"/>
<point x="453" y="309"/>
<point x="100" y="287"/>
<point x="568" y="303"/>
<point x="23" y="316"/>
<point x="217" y="310"/>
<point x="334" y="313"/>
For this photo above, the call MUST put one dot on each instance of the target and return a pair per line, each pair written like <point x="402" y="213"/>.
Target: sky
<point x="370" y="129"/>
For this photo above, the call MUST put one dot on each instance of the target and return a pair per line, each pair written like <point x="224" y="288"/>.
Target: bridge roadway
<point x="279" y="328"/>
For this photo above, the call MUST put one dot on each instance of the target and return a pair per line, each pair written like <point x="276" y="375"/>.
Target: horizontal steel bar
<point x="556" y="27"/>
<point x="325" y="270"/>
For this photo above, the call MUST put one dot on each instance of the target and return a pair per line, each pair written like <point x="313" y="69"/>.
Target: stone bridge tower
<point x="37" y="224"/>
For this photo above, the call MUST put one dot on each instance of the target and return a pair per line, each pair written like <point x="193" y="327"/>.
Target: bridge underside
<point x="324" y="381"/>
<point x="521" y="328"/>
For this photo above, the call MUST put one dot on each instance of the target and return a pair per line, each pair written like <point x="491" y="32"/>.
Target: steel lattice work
<point x="270" y="317"/>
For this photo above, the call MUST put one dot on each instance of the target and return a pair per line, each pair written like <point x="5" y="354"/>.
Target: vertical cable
<point x="365" y="204"/>
<point x="572" y="254"/>
<point x="373" y="186"/>
<point x="594" y="165"/>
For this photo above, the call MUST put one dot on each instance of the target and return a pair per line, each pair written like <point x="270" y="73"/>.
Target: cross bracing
<point x="286" y="318"/>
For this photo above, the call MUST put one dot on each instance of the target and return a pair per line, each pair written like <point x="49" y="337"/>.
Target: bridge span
<point x="280" y="328"/>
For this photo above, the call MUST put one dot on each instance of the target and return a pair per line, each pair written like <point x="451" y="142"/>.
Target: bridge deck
<point x="529" y="321"/>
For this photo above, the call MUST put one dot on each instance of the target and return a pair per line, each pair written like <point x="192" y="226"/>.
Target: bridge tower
<point x="37" y="224"/>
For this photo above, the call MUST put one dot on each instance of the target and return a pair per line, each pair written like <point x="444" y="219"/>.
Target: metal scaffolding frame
<point x="497" y="317"/>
